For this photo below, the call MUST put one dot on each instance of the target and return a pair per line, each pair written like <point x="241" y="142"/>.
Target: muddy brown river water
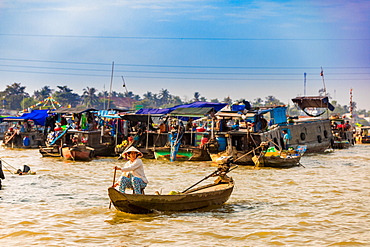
<point x="324" y="203"/>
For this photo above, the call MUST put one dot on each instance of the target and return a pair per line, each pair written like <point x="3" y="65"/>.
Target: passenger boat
<point x="216" y="193"/>
<point x="78" y="152"/>
<point x="212" y="194"/>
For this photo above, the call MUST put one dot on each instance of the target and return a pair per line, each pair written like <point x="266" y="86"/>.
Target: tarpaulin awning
<point x="313" y="102"/>
<point x="192" y="112"/>
<point x="154" y="111"/>
<point x="234" y="114"/>
<point x="197" y="104"/>
<point x="137" y="117"/>
<point x="278" y="114"/>
<point x="73" y="110"/>
<point x="37" y="116"/>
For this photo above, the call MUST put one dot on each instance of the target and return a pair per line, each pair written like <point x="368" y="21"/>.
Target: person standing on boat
<point x="286" y="138"/>
<point x="133" y="175"/>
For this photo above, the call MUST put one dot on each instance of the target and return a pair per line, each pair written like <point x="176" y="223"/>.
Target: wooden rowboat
<point x="280" y="161"/>
<point x="216" y="193"/>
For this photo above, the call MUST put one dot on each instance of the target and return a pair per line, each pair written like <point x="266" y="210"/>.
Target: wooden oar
<point x="210" y="175"/>
<point x="7" y="140"/>
<point x="114" y="180"/>
<point x="217" y="172"/>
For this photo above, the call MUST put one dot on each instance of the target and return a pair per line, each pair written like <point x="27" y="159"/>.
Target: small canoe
<point x="279" y="161"/>
<point x="165" y="153"/>
<point x="216" y="193"/>
<point x="341" y="144"/>
<point x="183" y="154"/>
<point x="80" y="152"/>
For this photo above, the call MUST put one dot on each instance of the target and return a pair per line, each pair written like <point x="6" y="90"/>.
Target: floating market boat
<point x="342" y="134"/>
<point x="23" y="131"/>
<point x="243" y="141"/>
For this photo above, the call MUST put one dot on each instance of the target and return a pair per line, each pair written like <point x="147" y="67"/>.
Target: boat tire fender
<point x="303" y="136"/>
<point x="319" y="138"/>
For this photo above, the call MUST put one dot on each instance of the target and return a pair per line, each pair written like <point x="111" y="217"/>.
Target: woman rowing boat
<point x="133" y="175"/>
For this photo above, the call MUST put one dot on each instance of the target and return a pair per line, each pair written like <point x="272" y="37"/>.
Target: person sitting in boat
<point x="75" y="140"/>
<point x="204" y="140"/>
<point x="24" y="169"/>
<point x="133" y="175"/>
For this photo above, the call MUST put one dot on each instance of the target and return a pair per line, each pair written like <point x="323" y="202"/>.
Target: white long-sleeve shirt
<point x="136" y="168"/>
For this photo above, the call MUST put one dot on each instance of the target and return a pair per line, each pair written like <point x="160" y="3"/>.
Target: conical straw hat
<point x="132" y="149"/>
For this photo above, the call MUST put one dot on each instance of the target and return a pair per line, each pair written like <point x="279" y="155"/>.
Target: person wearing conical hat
<point x="133" y="175"/>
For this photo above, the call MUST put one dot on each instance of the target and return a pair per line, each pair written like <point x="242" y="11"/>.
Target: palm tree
<point x="164" y="96"/>
<point x="43" y="93"/>
<point x="148" y="95"/>
<point x="14" y="94"/>
<point x="65" y="96"/>
<point x="129" y="94"/>
<point x="89" y="97"/>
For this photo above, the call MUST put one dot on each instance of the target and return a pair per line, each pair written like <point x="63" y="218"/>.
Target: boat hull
<point x="186" y="153"/>
<point x="77" y="153"/>
<point x="51" y="151"/>
<point x="280" y="162"/>
<point x="341" y="144"/>
<point x="214" y="194"/>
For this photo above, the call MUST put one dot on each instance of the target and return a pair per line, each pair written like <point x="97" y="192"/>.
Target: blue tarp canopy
<point x="278" y="114"/>
<point x="153" y="111"/>
<point x="37" y="116"/>
<point x="197" y="104"/>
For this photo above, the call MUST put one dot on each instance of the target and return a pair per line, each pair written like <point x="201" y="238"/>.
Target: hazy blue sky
<point x="241" y="49"/>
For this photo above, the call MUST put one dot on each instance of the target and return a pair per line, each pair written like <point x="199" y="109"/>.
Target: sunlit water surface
<point x="324" y="203"/>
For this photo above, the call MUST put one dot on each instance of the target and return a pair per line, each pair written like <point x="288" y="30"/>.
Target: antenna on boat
<point x="104" y="97"/>
<point x="304" y="85"/>
<point x="124" y="84"/>
<point x="323" y="81"/>
<point x="325" y="95"/>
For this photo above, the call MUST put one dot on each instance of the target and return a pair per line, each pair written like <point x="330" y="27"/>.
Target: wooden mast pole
<point x="110" y="89"/>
